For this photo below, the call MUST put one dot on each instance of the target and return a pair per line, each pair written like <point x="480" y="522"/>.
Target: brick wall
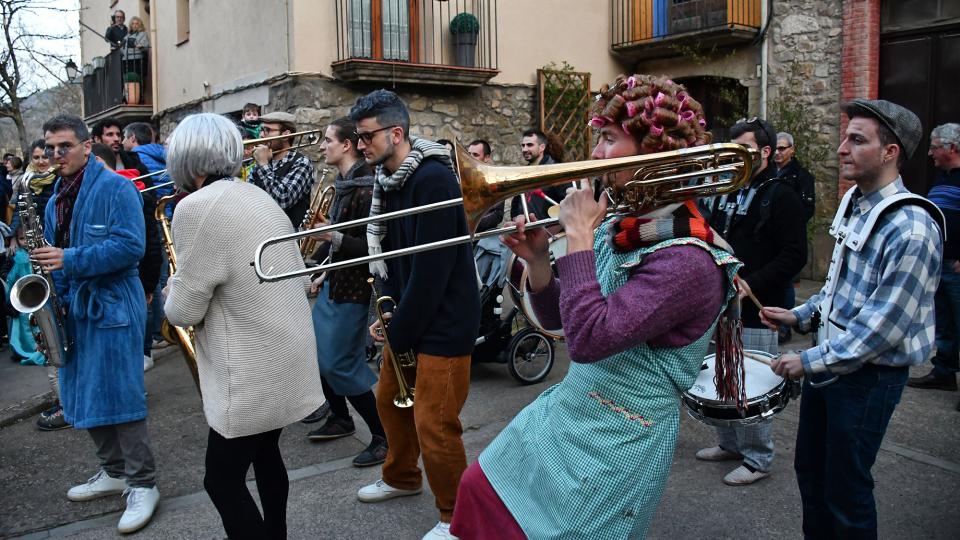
<point x="861" y="57"/>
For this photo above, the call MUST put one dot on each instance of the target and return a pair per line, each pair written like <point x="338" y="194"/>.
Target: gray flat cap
<point x="279" y="117"/>
<point x="901" y="121"/>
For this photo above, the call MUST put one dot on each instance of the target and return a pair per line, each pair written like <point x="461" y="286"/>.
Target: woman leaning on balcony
<point x="135" y="47"/>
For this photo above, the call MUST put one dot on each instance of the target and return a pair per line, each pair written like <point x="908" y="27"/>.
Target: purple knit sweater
<point x="670" y="300"/>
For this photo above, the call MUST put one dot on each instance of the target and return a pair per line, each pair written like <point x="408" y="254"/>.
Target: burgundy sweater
<point x="670" y="300"/>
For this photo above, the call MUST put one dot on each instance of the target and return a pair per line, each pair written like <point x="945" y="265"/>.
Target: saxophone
<point x="317" y="214"/>
<point x="175" y="334"/>
<point x="35" y="294"/>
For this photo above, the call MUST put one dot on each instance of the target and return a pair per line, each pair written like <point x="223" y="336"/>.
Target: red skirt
<point x="479" y="513"/>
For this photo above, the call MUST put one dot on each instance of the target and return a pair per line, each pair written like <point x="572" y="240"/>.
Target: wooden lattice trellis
<point x="564" y="98"/>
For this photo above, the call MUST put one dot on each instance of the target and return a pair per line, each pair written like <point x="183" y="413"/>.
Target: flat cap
<point x="901" y="121"/>
<point x="279" y="117"/>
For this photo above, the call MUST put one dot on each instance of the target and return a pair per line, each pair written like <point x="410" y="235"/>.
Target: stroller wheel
<point x="530" y="356"/>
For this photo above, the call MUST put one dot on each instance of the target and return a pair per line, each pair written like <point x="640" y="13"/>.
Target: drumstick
<point x="751" y="296"/>
<point x="760" y="359"/>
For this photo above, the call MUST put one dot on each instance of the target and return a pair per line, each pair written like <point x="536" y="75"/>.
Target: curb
<point x="31" y="406"/>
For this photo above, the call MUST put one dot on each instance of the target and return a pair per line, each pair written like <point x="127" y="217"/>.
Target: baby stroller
<point x="508" y="339"/>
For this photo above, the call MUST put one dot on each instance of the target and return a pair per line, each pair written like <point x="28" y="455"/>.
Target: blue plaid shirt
<point x="884" y="292"/>
<point x="288" y="189"/>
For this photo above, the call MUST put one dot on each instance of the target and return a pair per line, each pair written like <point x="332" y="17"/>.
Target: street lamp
<point x="72" y="70"/>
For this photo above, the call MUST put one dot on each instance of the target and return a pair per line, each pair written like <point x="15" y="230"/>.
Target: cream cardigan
<point x="255" y="346"/>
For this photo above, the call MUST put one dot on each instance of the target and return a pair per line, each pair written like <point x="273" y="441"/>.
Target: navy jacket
<point x="438" y="299"/>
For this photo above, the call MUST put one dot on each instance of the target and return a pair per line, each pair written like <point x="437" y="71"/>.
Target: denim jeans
<point x="947" y="308"/>
<point x="841" y="428"/>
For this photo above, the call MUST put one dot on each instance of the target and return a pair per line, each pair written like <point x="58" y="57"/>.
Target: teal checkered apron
<point x="589" y="458"/>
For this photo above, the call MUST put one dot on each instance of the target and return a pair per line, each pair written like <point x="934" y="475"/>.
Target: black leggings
<point x="225" y="481"/>
<point x="365" y="404"/>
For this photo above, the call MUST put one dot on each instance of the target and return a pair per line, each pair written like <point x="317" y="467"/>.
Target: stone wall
<point x="496" y="113"/>
<point x="804" y="67"/>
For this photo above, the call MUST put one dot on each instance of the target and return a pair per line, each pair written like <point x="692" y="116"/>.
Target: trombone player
<point x="340" y="312"/>
<point x="283" y="172"/>
<point x="438" y="306"/>
<point x="639" y="297"/>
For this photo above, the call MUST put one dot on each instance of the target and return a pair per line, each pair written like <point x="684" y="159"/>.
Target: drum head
<point x="558" y="248"/>
<point x="759" y="377"/>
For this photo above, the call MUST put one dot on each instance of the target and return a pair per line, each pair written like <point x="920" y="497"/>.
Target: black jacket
<point x="537" y="205"/>
<point x="438" y="310"/>
<point x="802" y="182"/>
<point x="770" y="240"/>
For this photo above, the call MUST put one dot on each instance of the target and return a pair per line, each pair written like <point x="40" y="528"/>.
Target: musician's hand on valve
<point x="788" y="366"/>
<point x="580" y="214"/>
<point x="376" y="329"/>
<point x="773" y="317"/>
<point x="48" y="257"/>
<point x="262" y="154"/>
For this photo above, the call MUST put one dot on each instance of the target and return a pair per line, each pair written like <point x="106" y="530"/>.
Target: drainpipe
<point x="764" y="5"/>
<point x="154" y="68"/>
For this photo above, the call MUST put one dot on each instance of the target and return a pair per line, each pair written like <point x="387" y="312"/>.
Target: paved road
<point x="917" y="473"/>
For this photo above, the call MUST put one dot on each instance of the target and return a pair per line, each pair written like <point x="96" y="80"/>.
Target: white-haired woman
<point x="256" y="352"/>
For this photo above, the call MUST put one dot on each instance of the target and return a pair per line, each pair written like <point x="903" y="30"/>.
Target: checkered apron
<point x="589" y="458"/>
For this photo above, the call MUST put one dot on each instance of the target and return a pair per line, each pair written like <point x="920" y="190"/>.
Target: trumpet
<point x="399" y="360"/>
<point x="319" y="212"/>
<point x="658" y="180"/>
<point x="311" y="137"/>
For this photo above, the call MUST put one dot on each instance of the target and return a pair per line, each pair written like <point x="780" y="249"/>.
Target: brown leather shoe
<point x="932" y="381"/>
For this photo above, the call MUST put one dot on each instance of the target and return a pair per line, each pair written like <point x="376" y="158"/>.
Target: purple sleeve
<point x="546" y="305"/>
<point x="670" y="300"/>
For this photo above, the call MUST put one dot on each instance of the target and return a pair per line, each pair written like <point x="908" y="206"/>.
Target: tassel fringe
<point x="729" y="371"/>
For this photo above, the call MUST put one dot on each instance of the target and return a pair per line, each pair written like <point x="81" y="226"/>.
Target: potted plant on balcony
<point x="131" y="86"/>
<point x="465" y="28"/>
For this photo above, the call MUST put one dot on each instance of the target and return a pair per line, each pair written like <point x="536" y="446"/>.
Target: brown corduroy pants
<point x="431" y="427"/>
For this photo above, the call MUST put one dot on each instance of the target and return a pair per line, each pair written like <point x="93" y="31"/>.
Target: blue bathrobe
<point x="101" y="382"/>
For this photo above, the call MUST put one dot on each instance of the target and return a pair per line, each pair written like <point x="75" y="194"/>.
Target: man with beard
<point x="287" y="175"/>
<point x="437" y="313"/>
<point x="109" y="131"/>
<point x="533" y="148"/>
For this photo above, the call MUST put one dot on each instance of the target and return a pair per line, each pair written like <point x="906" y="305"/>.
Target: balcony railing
<point x="659" y="28"/>
<point x="453" y="42"/>
<point x="113" y="86"/>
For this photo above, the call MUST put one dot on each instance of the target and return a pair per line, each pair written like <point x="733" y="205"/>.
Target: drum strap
<point x="848" y="239"/>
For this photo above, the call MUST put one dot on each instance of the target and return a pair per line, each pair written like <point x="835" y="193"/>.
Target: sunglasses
<point x="784" y="148"/>
<point x="367" y="136"/>
<point x="60" y="149"/>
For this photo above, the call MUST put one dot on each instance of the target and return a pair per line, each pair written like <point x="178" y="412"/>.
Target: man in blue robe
<point x="95" y="229"/>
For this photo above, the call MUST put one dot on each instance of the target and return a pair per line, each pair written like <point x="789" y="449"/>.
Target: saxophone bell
<point x="31" y="294"/>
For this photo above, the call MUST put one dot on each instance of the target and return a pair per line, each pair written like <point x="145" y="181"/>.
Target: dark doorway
<point x="919" y="69"/>
<point x="724" y="101"/>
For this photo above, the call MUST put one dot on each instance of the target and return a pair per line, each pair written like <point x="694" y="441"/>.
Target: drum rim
<point x="518" y="294"/>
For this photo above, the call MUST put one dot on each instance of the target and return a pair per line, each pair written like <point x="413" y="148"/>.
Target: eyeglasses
<point x="60" y="149"/>
<point x="784" y="148"/>
<point x="367" y="137"/>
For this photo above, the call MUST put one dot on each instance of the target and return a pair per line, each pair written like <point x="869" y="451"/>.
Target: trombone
<point x="311" y="136"/>
<point x="399" y="360"/>
<point x="658" y="179"/>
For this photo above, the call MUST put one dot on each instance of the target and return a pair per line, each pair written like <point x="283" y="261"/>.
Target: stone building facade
<point x="497" y="113"/>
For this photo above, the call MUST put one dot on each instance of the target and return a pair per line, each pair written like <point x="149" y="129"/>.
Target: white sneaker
<point x="382" y="491"/>
<point x="159" y="344"/>
<point x="100" y="485"/>
<point x="147" y="362"/>
<point x="742" y="476"/>
<point x="441" y="531"/>
<point x="141" y="504"/>
<point x="715" y="453"/>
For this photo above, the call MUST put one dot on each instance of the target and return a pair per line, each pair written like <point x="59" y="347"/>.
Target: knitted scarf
<point x="420" y="149"/>
<point x="678" y="220"/>
<point x="682" y="221"/>
<point x="66" y="200"/>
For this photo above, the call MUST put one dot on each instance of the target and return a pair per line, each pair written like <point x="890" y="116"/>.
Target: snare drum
<point x="518" y="284"/>
<point x="767" y="394"/>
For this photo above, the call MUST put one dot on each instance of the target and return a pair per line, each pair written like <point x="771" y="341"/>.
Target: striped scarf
<point x="673" y="221"/>
<point x="420" y="149"/>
